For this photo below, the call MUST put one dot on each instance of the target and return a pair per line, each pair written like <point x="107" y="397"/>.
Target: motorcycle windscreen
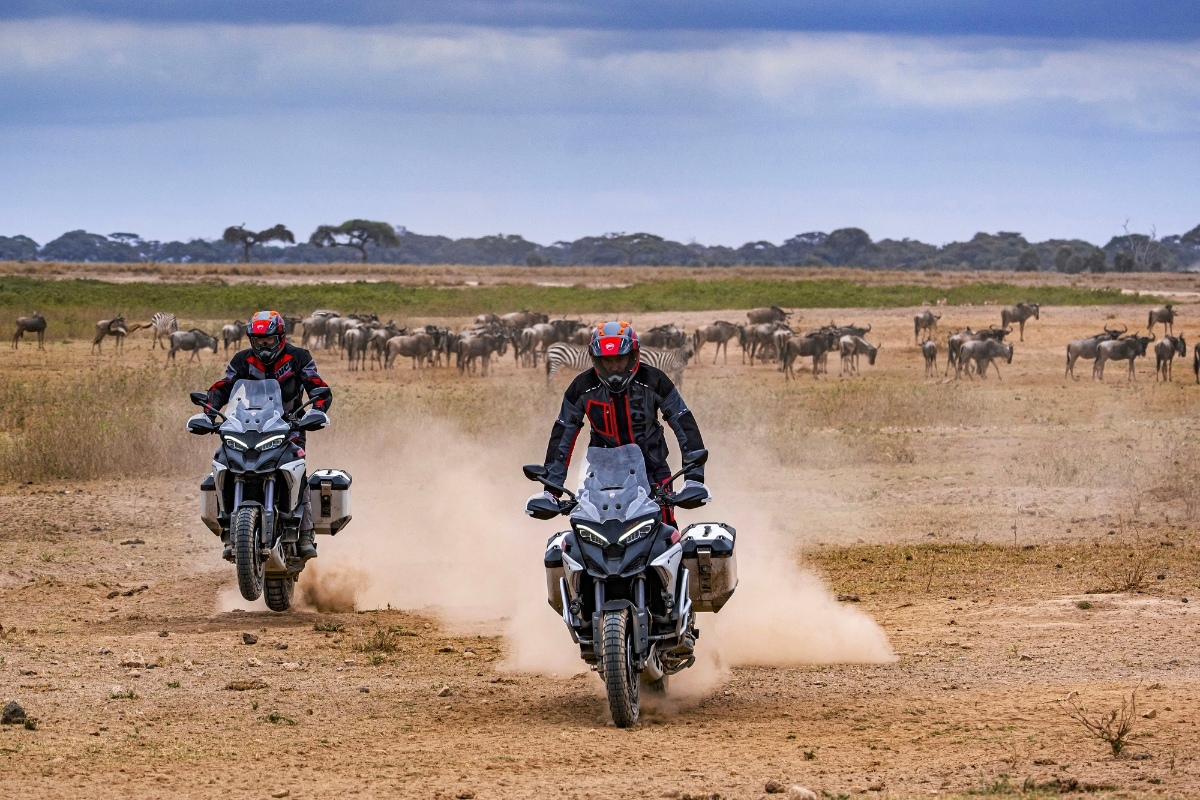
<point x="613" y="485"/>
<point x="255" y="406"/>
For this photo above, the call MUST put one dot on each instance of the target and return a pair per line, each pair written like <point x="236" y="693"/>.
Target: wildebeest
<point x="811" y="344"/>
<point x="161" y="326"/>
<point x="1088" y="348"/>
<point x="1165" y="351"/>
<point x="487" y="319"/>
<point x="982" y="352"/>
<point x="1165" y="315"/>
<point x="720" y="332"/>
<point x="354" y="342"/>
<point x="1126" y="349"/>
<point x="314" y="326"/>
<point x="1018" y="314"/>
<point x="929" y="350"/>
<point x="480" y="346"/>
<point x="377" y="340"/>
<point x="115" y="328"/>
<point x="523" y="319"/>
<point x="759" y="340"/>
<point x="925" y="321"/>
<point x="1196" y="362"/>
<point x="759" y="316"/>
<point x="192" y="341"/>
<point x="851" y="348"/>
<point x="991" y="333"/>
<point x="666" y="337"/>
<point x="419" y="347"/>
<point x="31" y="324"/>
<point x="232" y="334"/>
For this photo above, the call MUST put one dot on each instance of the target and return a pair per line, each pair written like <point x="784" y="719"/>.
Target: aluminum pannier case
<point x="329" y="493"/>
<point x="210" y="511"/>
<point x="555" y="570"/>
<point x="711" y="563"/>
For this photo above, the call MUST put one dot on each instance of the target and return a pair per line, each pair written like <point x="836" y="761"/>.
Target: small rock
<point x="12" y="714"/>
<point x="281" y="646"/>
<point x="465" y="794"/>
<point x="164" y="634"/>
<point x="1026" y="657"/>
<point x="281" y="793"/>
<point x="349" y="662"/>
<point x="32" y="725"/>
<point x="801" y="793"/>
<point x="877" y="786"/>
<point x="245" y="685"/>
<point x="1151" y="714"/>
<point x="27" y="671"/>
<point x="290" y="666"/>
<point x="364" y="690"/>
<point x="187" y="665"/>
<point x="249" y="638"/>
<point x="133" y="660"/>
<point x="444" y="691"/>
<point x="337" y="638"/>
<point x="104" y="651"/>
<point x="253" y="662"/>
<point x="775" y="787"/>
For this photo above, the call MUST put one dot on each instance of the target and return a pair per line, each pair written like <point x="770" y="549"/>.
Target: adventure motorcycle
<point x="627" y="584"/>
<point x="252" y="499"/>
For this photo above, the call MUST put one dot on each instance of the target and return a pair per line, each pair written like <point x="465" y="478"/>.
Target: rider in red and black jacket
<point x="271" y="357"/>
<point x="622" y="399"/>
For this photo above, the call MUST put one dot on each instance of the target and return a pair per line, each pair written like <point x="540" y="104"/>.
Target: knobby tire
<point x="246" y="523"/>
<point x="620" y="678"/>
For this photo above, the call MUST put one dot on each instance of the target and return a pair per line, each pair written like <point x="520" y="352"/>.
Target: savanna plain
<point x="935" y="574"/>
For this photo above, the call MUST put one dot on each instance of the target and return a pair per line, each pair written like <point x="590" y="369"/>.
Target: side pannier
<point x="330" y="495"/>
<point x="711" y="563"/>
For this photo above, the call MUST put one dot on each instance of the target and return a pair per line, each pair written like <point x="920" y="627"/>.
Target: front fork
<point x="639" y="617"/>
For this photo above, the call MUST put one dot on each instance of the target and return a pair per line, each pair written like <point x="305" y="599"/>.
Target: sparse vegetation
<point x="328" y="626"/>
<point x="276" y="718"/>
<point x="1112" y="728"/>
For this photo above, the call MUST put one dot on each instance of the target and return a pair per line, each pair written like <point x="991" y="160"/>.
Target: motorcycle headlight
<point x="637" y="532"/>
<point x="235" y="444"/>
<point x="592" y="536"/>
<point x="271" y="442"/>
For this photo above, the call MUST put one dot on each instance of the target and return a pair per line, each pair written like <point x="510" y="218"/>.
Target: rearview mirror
<point x="320" y="393"/>
<point x="535" y="471"/>
<point x="199" y="398"/>
<point x="695" y="457"/>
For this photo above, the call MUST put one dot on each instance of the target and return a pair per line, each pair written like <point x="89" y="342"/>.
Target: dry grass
<point x="1112" y="728"/>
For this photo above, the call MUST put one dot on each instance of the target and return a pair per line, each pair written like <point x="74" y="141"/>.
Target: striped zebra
<point x="161" y="326"/>
<point x="673" y="362"/>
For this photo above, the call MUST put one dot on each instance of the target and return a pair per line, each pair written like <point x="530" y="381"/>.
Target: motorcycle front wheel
<point x="279" y="593"/>
<point x="246" y="548"/>
<point x="620" y="677"/>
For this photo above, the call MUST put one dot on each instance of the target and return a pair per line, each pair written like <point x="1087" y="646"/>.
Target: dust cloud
<point x="439" y="527"/>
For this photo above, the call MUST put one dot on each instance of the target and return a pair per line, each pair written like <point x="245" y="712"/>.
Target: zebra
<point x="571" y="356"/>
<point x="673" y="361"/>
<point x="161" y="326"/>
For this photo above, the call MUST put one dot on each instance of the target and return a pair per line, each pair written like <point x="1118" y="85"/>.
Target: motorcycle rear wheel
<point x="279" y="592"/>
<point x="246" y="523"/>
<point x="620" y="678"/>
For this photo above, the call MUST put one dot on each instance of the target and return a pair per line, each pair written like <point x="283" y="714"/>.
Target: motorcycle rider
<point x="271" y="357"/>
<point x="622" y="399"/>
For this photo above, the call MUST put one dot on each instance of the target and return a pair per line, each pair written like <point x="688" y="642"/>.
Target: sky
<point x="710" y="120"/>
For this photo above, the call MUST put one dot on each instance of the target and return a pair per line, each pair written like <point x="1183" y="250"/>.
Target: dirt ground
<point x="991" y="530"/>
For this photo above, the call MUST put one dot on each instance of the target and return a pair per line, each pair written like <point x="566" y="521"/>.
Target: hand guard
<point x="687" y="484"/>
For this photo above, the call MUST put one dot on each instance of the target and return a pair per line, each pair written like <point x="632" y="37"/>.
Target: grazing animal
<point x="925" y="321"/>
<point x="982" y="352"/>
<point x="232" y="334"/>
<point x="815" y="344"/>
<point x="487" y="319"/>
<point x="33" y="324"/>
<point x="929" y="350"/>
<point x="480" y="346"/>
<point x="570" y="356"/>
<point x="314" y="326"/>
<point x="1165" y="315"/>
<point x="192" y="341"/>
<point x="667" y="337"/>
<point x="673" y="361"/>
<point x="115" y="328"/>
<point x="1088" y="348"/>
<point x="851" y="348"/>
<point x="161" y="326"/>
<point x="1196" y="362"/>
<point x="1018" y="314"/>
<point x="760" y="316"/>
<point x="1126" y="349"/>
<point x="354" y="342"/>
<point x="720" y="332"/>
<point x="760" y="340"/>
<point x="523" y="319"/>
<point x="1165" y="350"/>
<point x="418" y="346"/>
<point x="377" y="342"/>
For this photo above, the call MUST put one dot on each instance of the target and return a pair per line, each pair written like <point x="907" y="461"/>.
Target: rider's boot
<point x="306" y="547"/>
<point x="227" y="553"/>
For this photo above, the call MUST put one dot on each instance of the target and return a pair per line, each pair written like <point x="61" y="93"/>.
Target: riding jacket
<point x="630" y="417"/>
<point x="294" y="369"/>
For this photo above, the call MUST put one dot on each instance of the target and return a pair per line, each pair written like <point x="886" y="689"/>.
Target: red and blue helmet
<point x="610" y="342"/>
<point x="267" y="333"/>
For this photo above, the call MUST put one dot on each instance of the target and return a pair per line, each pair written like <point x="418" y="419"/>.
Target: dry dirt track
<point x="908" y="505"/>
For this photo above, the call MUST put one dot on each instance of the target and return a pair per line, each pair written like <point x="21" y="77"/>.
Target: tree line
<point x="369" y="240"/>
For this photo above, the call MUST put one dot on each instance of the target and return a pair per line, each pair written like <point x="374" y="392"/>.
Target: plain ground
<point x="984" y="525"/>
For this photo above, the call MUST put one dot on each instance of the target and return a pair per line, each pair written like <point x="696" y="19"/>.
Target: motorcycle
<point x="627" y="584"/>
<point x="252" y="499"/>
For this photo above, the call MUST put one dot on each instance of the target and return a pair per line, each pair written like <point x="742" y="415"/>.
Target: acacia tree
<point x="1192" y="236"/>
<point x="356" y="233"/>
<point x="247" y="239"/>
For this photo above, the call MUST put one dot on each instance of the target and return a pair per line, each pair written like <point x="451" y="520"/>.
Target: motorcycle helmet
<point x="267" y="336"/>
<point x="614" y="348"/>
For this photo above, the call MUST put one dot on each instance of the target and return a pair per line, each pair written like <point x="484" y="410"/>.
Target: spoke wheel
<point x="246" y="523"/>
<point x="620" y="678"/>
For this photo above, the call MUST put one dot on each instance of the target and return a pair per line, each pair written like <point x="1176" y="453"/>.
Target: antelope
<point x="377" y="341"/>
<point x="814" y="344"/>
<point x="418" y="346"/>
<point x="523" y="319"/>
<point x="192" y="341"/>
<point x="354" y="341"/>
<point x="982" y="352"/>
<point x="1165" y="351"/>
<point x="1165" y="315"/>
<point x="34" y="324"/>
<point x="1018" y="314"/>
<point x="720" y="332"/>
<point x="669" y="336"/>
<point x="314" y="326"/>
<point x="929" y="350"/>
<point x="1126" y="349"/>
<point x="481" y="346"/>
<point x="925" y="321"/>
<point x="759" y="316"/>
<point x="1088" y="348"/>
<point x="233" y="333"/>
<point x="851" y="348"/>
<point x="115" y="328"/>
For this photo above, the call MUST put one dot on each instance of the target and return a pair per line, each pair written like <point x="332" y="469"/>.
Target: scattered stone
<point x="281" y="793"/>
<point x="775" y="787"/>
<point x="349" y="662"/>
<point x="1151" y="714"/>
<point x="1026" y="657"/>
<point x="290" y="666"/>
<point x="877" y="786"/>
<point x="105" y="651"/>
<point x="253" y="662"/>
<point x="164" y="634"/>
<point x="445" y="691"/>
<point x="445" y="649"/>
<point x="246" y="685"/>
<point x="12" y="714"/>
<point x="281" y="646"/>
<point x="465" y="794"/>
<point x="27" y="671"/>
<point x="133" y="660"/>
<point x="801" y="793"/>
<point x="848" y="598"/>
<point x="31" y="724"/>
<point x="364" y="690"/>
<point x="187" y="665"/>
<point x="133" y="541"/>
<point x="249" y="638"/>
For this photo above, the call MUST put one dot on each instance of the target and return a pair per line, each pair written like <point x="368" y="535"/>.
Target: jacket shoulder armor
<point x="654" y="378"/>
<point x="583" y="382"/>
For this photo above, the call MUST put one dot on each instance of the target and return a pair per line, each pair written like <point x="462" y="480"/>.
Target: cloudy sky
<point x="722" y="121"/>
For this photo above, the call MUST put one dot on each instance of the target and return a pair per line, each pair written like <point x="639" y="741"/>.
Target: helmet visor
<point x="264" y="342"/>
<point x="615" y="366"/>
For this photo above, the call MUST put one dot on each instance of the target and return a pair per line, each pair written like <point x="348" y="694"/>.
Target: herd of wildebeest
<point x="767" y="336"/>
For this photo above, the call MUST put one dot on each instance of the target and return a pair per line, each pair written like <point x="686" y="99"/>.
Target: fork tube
<point x="269" y="495"/>
<point x="238" y="485"/>
<point x="599" y="595"/>
<point x="639" y="592"/>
